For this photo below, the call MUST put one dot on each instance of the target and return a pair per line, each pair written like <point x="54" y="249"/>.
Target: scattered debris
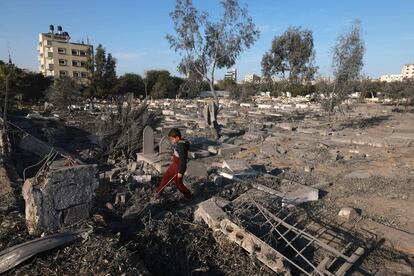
<point x="17" y="254"/>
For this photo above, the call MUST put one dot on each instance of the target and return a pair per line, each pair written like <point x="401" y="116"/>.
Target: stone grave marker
<point x="148" y="140"/>
<point x="206" y="114"/>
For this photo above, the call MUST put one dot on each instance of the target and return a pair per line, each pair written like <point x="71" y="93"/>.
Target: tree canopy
<point x="206" y="45"/>
<point x="291" y="56"/>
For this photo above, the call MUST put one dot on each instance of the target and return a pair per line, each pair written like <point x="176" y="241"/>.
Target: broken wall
<point x="62" y="196"/>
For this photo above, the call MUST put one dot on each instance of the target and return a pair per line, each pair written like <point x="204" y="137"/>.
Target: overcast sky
<point x="134" y="31"/>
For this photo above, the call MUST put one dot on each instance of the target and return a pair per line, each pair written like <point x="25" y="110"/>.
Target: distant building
<point x="321" y="79"/>
<point x="408" y="71"/>
<point x="59" y="57"/>
<point x="251" y="78"/>
<point x="391" y="78"/>
<point x="231" y="75"/>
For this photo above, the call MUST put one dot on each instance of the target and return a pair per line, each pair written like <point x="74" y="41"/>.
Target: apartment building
<point x="408" y="71"/>
<point x="231" y="75"/>
<point x="60" y="57"/>
<point x="251" y="78"/>
<point x="391" y="78"/>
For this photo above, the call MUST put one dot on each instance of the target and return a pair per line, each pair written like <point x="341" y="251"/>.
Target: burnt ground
<point x="376" y="180"/>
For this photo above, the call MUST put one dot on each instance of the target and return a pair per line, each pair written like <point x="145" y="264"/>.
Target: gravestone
<point x="206" y="114"/>
<point x="148" y="140"/>
<point x="252" y="127"/>
<point x="165" y="145"/>
<point x="165" y="149"/>
<point x="212" y="110"/>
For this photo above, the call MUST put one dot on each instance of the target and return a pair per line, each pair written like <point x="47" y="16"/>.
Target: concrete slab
<point x="237" y="165"/>
<point x="209" y="212"/>
<point x="196" y="169"/>
<point x="226" y="149"/>
<point x="295" y="193"/>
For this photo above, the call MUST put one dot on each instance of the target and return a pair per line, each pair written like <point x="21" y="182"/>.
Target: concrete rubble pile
<point x="284" y="187"/>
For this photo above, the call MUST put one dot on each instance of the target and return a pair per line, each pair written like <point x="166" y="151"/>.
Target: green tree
<point x="64" y="93"/>
<point x="109" y="73"/>
<point x="165" y="86"/>
<point x="152" y="77"/>
<point x="401" y="92"/>
<point x="291" y="56"/>
<point x="206" y="45"/>
<point x="103" y="77"/>
<point x="369" y="88"/>
<point x="33" y="86"/>
<point x="129" y="83"/>
<point x="227" y="85"/>
<point x="347" y="63"/>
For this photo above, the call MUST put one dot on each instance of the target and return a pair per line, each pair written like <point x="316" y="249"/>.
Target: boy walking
<point x="176" y="170"/>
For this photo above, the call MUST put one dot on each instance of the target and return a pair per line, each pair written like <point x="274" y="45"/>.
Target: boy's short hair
<point x="174" y="132"/>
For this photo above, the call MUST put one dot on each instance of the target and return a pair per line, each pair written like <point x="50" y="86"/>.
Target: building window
<point x="62" y="51"/>
<point x="75" y="63"/>
<point x="48" y="43"/>
<point x="50" y="67"/>
<point x="84" y="75"/>
<point x="83" y="64"/>
<point x="75" y="52"/>
<point x="62" y="62"/>
<point x="82" y="53"/>
<point x="76" y="74"/>
<point x="63" y="73"/>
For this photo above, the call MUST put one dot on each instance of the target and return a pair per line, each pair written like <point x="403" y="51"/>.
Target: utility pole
<point x="145" y="84"/>
<point x="6" y="98"/>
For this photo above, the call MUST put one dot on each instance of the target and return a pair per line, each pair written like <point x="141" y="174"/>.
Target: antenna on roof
<point x="8" y="49"/>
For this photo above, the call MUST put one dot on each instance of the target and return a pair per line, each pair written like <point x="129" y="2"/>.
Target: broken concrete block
<point x="210" y="213"/>
<point x="198" y="154"/>
<point x="295" y="193"/>
<point x="145" y="178"/>
<point x="213" y="149"/>
<point x="60" y="196"/>
<point x="308" y="169"/>
<point x="237" y="165"/>
<point x="225" y="149"/>
<point x="348" y="214"/>
<point x="252" y="244"/>
<point x="132" y="166"/>
<point x="196" y="169"/>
